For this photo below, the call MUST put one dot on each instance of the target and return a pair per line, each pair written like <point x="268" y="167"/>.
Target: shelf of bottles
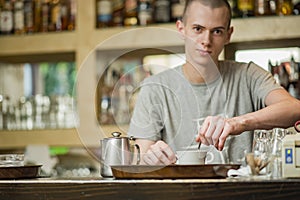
<point x="114" y="13"/>
<point x="20" y="17"/>
<point x="287" y="74"/>
<point x="117" y="90"/>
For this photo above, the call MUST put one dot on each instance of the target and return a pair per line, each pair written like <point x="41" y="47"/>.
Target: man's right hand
<point x="156" y="153"/>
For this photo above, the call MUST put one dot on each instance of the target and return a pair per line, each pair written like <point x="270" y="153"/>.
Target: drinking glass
<point x="276" y="158"/>
<point x="261" y="151"/>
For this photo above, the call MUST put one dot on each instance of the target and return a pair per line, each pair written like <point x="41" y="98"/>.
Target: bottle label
<point x="56" y="14"/>
<point x="162" y="11"/>
<point x="64" y="11"/>
<point x="177" y="10"/>
<point x="19" y="20"/>
<point x="28" y="15"/>
<point x="245" y="5"/>
<point x="104" y="8"/>
<point x="104" y="18"/>
<point x="6" y="21"/>
<point x="144" y="17"/>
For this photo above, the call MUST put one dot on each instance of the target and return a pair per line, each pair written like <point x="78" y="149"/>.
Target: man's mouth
<point x="203" y="52"/>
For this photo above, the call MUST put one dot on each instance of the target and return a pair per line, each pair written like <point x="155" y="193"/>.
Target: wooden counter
<point x="287" y="189"/>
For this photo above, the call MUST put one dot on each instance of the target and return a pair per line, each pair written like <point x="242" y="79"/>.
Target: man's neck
<point x="200" y="74"/>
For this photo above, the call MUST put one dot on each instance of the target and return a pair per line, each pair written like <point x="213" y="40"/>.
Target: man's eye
<point x="218" y="32"/>
<point x="197" y="29"/>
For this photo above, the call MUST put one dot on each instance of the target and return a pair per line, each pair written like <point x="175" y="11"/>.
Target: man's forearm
<point x="282" y="114"/>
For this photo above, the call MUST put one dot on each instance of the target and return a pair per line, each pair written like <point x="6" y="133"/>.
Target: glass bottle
<point x="19" y="27"/>
<point x="29" y="16"/>
<point x="55" y="15"/>
<point x="6" y="18"/>
<point x="64" y="14"/>
<point x="72" y="15"/>
<point x="246" y="8"/>
<point x="273" y="7"/>
<point x="296" y="8"/>
<point x="294" y="70"/>
<point x="118" y="9"/>
<point x="145" y="12"/>
<point x="177" y="8"/>
<point x="131" y="13"/>
<point x="262" y="7"/>
<point x="284" y="7"/>
<point x="162" y="11"/>
<point x="104" y="13"/>
<point x="37" y="15"/>
<point x="234" y="8"/>
<point x="44" y="16"/>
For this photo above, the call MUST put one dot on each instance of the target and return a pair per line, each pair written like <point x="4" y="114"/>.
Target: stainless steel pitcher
<point x="116" y="150"/>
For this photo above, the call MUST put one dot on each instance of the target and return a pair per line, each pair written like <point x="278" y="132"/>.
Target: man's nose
<point x="205" y="38"/>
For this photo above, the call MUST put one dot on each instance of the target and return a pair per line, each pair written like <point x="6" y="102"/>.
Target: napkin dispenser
<point x="291" y="156"/>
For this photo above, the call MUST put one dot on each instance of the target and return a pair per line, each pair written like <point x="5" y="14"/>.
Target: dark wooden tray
<point x="20" y="172"/>
<point x="172" y="171"/>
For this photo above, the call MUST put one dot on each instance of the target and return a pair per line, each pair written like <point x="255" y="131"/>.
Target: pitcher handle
<point x="138" y="159"/>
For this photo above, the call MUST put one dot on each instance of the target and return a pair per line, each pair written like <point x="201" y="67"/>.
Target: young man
<point x="235" y="98"/>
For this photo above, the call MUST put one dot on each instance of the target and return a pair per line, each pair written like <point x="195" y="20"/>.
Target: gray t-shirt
<point x="168" y="105"/>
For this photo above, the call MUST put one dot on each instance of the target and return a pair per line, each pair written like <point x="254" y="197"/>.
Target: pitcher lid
<point x="116" y="134"/>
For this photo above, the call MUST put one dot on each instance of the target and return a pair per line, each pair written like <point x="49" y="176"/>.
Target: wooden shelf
<point x="43" y="43"/>
<point x="57" y="137"/>
<point x="152" y="36"/>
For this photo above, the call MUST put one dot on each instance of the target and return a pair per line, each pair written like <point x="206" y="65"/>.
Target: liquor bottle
<point x="104" y="13"/>
<point x="273" y="7"/>
<point x="262" y="7"/>
<point x="6" y="18"/>
<point x="284" y="7"/>
<point x="131" y="13"/>
<point x="105" y="112"/>
<point x="72" y="15"/>
<point x="64" y="14"/>
<point x="246" y="8"/>
<point x="296" y="8"/>
<point x="44" y="16"/>
<point x="29" y="16"/>
<point x="55" y="16"/>
<point x="234" y="8"/>
<point x="37" y="15"/>
<point x="117" y="15"/>
<point x="177" y="8"/>
<point x="294" y="70"/>
<point x="162" y="11"/>
<point x="145" y="12"/>
<point x="19" y="27"/>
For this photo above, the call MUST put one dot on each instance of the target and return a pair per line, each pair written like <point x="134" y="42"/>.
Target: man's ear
<point x="230" y="31"/>
<point x="180" y="28"/>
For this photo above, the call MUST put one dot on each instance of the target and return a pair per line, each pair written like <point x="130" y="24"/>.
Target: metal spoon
<point x="199" y="145"/>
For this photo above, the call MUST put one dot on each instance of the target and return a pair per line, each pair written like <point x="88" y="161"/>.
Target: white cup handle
<point x="211" y="155"/>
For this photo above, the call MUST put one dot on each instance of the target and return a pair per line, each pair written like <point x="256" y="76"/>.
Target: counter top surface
<point x="99" y="180"/>
<point x="109" y="188"/>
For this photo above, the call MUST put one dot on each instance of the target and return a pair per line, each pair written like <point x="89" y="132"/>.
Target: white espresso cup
<point x="191" y="157"/>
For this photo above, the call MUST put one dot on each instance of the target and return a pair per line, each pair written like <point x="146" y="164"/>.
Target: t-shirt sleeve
<point x="146" y="121"/>
<point x="261" y="83"/>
